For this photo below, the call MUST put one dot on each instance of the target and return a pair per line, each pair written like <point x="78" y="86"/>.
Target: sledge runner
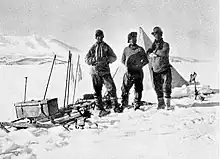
<point x="134" y="58"/>
<point x="162" y="77"/>
<point x="99" y="57"/>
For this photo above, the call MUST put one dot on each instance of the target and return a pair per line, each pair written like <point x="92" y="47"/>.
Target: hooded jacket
<point x="99" y="57"/>
<point x="160" y="62"/>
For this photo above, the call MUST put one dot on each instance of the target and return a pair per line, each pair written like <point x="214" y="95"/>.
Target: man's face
<point x="133" y="40"/>
<point x="99" y="38"/>
<point x="157" y="36"/>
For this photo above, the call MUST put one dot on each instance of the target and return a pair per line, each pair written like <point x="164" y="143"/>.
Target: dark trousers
<point x="162" y="83"/>
<point x="107" y="80"/>
<point x="130" y="79"/>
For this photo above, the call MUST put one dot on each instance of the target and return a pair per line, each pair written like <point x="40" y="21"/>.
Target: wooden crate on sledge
<point x="36" y="108"/>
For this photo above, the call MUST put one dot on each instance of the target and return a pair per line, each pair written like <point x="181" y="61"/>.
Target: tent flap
<point x="144" y="41"/>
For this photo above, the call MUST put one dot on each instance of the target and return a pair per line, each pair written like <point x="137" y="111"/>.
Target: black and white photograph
<point x="118" y="79"/>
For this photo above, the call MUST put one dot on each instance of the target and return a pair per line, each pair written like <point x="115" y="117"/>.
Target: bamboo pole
<point x="49" y="77"/>
<point x="68" y="82"/>
<point x="67" y="75"/>
<point x="74" y="89"/>
<point x="25" y="89"/>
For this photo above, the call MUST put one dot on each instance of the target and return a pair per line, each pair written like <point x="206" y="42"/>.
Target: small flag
<point x="79" y="73"/>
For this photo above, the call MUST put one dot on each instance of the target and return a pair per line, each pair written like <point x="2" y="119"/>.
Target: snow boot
<point x="107" y="101"/>
<point x="99" y="104"/>
<point x="124" y="101"/>
<point x="103" y="112"/>
<point x="116" y="106"/>
<point x="118" y="109"/>
<point x="136" y="104"/>
<point x="161" y="103"/>
<point x="137" y="100"/>
<point x="167" y="102"/>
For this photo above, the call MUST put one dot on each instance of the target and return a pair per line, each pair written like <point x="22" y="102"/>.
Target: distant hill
<point x="183" y="59"/>
<point x="34" y="49"/>
<point x="23" y="50"/>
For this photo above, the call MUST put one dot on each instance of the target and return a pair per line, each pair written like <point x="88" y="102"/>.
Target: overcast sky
<point x="190" y="26"/>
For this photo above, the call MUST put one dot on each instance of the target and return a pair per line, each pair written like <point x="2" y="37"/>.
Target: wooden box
<point x="36" y="108"/>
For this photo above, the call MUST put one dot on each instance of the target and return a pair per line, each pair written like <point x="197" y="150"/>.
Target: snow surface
<point x="189" y="132"/>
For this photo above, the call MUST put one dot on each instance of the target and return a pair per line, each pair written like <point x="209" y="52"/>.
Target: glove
<point x="152" y="55"/>
<point x="93" y="61"/>
<point x="149" y="51"/>
<point x="106" y="59"/>
<point x="103" y="61"/>
<point x="157" y="47"/>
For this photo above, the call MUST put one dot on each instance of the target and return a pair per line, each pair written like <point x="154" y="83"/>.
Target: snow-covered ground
<point x="190" y="132"/>
<point x="186" y="133"/>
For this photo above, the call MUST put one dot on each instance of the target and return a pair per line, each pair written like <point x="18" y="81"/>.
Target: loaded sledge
<point x="45" y="113"/>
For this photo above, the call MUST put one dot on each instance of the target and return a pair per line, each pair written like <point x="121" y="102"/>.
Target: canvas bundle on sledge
<point x="36" y="108"/>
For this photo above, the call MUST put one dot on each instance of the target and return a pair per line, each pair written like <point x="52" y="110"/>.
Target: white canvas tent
<point x="85" y="86"/>
<point x="148" y="92"/>
<point x="144" y="41"/>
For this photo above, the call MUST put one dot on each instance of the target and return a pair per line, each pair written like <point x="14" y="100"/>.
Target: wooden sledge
<point x="45" y="113"/>
<point x="64" y="117"/>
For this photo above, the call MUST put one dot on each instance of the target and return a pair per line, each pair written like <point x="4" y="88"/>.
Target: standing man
<point x="134" y="58"/>
<point x="162" y="77"/>
<point x="99" y="57"/>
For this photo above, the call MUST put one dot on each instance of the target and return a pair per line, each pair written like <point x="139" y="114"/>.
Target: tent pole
<point x="68" y="82"/>
<point x="49" y="76"/>
<point x="115" y="72"/>
<point x="74" y="89"/>
<point x="25" y="89"/>
<point x="64" y="104"/>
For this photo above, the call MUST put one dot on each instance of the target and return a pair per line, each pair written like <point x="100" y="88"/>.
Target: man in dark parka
<point x="134" y="58"/>
<point x="99" y="57"/>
